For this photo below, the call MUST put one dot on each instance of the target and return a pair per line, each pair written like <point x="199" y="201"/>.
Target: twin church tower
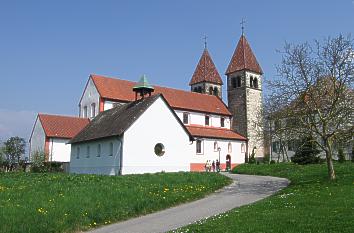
<point x="244" y="91"/>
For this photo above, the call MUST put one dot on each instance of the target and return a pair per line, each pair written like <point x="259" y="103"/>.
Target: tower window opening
<point x="238" y="81"/>
<point x="255" y="83"/>
<point x="216" y="91"/>
<point x="210" y="90"/>
<point x="233" y="82"/>
<point x="251" y="81"/>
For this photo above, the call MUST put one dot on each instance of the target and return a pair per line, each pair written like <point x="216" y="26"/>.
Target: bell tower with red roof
<point x="244" y="94"/>
<point x="206" y="79"/>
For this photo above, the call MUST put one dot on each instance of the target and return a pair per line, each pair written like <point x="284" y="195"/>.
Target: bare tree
<point x="314" y="89"/>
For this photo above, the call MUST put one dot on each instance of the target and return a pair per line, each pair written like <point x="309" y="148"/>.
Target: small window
<point x="93" y="110"/>
<point x="199" y="146"/>
<point x="255" y="83"/>
<point x="229" y="147"/>
<point x="88" y="152"/>
<point x="207" y="120"/>
<point x="85" y="112"/>
<point x="159" y="149"/>
<point x="185" y="118"/>
<point x="99" y="150"/>
<point x="243" y="148"/>
<point x="200" y="89"/>
<point x="210" y="90"/>
<point x="215" y="146"/>
<point x="238" y="81"/>
<point x="195" y="89"/>
<point x="216" y="91"/>
<point x="251" y="81"/>
<point x="111" y="149"/>
<point x="222" y="122"/>
<point x="78" y="152"/>
<point x="233" y="82"/>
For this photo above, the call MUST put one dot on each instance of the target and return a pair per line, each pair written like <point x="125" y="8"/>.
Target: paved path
<point x="244" y="190"/>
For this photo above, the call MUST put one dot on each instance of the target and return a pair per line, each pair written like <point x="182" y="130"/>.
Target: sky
<point x="49" y="48"/>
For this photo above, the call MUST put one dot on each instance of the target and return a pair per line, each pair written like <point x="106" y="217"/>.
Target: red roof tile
<point x="62" y="126"/>
<point x="206" y="71"/>
<point x="214" y="133"/>
<point x="122" y="90"/>
<point x="243" y="58"/>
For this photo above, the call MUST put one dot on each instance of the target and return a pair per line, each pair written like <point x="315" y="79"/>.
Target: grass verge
<point x="310" y="204"/>
<point x="69" y="203"/>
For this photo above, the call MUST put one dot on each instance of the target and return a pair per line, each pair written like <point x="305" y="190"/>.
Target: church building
<point x="135" y="127"/>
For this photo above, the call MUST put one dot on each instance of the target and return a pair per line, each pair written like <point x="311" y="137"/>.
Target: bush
<point x="307" y="153"/>
<point x="266" y="158"/>
<point x="38" y="160"/>
<point x="341" y="157"/>
<point x="252" y="158"/>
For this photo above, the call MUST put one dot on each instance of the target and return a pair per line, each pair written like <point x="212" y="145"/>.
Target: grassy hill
<point x="310" y="204"/>
<point x="68" y="203"/>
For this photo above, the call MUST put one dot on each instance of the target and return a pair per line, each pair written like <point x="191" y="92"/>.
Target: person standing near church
<point x="217" y="166"/>
<point x="213" y="166"/>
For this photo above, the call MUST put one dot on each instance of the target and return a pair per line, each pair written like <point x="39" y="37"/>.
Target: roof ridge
<point x="57" y="115"/>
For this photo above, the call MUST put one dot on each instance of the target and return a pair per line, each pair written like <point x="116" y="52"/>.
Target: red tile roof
<point x="206" y="71"/>
<point x="62" y="126"/>
<point x="243" y="58"/>
<point x="122" y="90"/>
<point x="209" y="132"/>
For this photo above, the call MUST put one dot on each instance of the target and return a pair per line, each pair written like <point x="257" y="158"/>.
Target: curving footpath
<point x="244" y="190"/>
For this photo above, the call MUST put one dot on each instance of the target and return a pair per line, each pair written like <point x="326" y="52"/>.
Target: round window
<point x="159" y="149"/>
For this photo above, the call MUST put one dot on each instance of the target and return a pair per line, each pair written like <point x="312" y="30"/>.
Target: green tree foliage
<point x="14" y="148"/>
<point x="38" y="162"/>
<point x="307" y="153"/>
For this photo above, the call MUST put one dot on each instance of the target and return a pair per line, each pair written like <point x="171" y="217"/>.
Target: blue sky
<point x="49" y="48"/>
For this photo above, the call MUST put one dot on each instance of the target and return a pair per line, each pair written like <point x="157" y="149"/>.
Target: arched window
<point x="238" y="79"/>
<point x="210" y="90"/>
<point x="199" y="89"/>
<point x="243" y="148"/>
<point x="78" y="152"/>
<point x="99" y="150"/>
<point x="215" y="146"/>
<point x="195" y="89"/>
<point x="111" y="149"/>
<point x="88" y="152"/>
<point x="93" y="110"/>
<point x="216" y="91"/>
<point x="233" y="82"/>
<point x="251" y="81"/>
<point x="229" y="147"/>
<point x="255" y="83"/>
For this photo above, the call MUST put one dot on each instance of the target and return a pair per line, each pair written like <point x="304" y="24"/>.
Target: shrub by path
<point x="244" y="190"/>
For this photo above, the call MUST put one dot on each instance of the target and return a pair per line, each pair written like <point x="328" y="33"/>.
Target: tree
<point x="315" y="88"/>
<point x="307" y="153"/>
<point x="14" y="148"/>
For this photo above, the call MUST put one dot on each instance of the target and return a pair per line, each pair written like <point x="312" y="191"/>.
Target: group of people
<point x="212" y="166"/>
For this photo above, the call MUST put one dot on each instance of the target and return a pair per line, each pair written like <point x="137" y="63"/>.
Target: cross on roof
<point x="243" y="25"/>
<point x="205" y="41"/>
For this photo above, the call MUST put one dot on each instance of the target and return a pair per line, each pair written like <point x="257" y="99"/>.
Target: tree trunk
<point x="331" y="173"/>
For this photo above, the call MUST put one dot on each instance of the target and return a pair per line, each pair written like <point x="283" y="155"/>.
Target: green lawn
<point x="68" y="203"/>
<point x="310" y="204"/>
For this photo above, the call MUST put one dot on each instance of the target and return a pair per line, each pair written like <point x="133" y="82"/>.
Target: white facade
<point x="37" y="140"/>
<point x="209" y="151"/>
<point x="90" y="101"/>
<point x="197" y="118"/>
<point x="134" y="151"/>
<point x="105" y="160"/>
<point x="59" y="150"/>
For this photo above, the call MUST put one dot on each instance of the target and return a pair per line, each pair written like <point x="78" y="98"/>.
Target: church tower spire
<point x="206" y="79"/>
<point x="244" y="94"/>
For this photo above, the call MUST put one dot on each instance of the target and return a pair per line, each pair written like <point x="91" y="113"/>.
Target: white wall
<point x="37" y="140"/>
<point x="105" y="164"/>
<point x="108" y="104"/>
<point x="59" y="151"/>
<point x="208" y="152"/>
<point x="196" y="118"/>
<point x="90" y="96"/>
<point x="156" y="125"/>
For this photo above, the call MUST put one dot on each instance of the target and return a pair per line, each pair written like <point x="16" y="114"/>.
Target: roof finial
<point x="243" y="26"/>
<point x="205" y="41"/>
